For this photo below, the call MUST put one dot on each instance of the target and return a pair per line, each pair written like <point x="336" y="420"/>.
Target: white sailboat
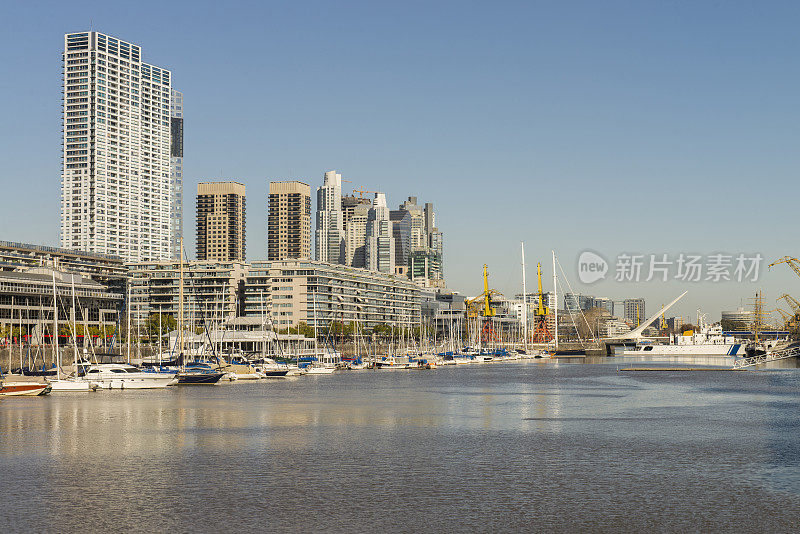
<point x="73" y="382"/>
<point x="320" y="367"/>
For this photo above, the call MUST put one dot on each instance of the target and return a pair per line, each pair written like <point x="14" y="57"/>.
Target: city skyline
<point x="645" y="150"/>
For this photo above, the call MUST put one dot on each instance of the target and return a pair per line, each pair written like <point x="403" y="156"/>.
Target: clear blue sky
<point x="617" y="126"/>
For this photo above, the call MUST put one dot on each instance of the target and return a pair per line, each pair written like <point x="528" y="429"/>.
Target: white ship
<point x="110" y="373"/>
<point x="710" y="341"/>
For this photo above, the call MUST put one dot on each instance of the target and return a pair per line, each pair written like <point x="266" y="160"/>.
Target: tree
<point x="590" y="326"/>
<point x="168" y="324"/>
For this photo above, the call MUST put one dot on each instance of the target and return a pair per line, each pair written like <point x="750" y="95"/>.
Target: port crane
<point x="481" y="306"/>
<point x="791" y="301"/>
<point x="789" y="319"/>
<point x="541" y="332"/>
<point x="794" y="263"/>
<point x="793" y="321"/>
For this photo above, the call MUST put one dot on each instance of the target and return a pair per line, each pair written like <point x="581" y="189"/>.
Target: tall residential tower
<point x="330" y="239"/>
<point x="418" y="242"/>
<point x="115" y="183"/>
<point x="221" y="221"/>
<point x="176" y="171"/>
<point x="289" y="222"/>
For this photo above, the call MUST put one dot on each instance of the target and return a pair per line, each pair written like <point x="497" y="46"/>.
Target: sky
<point x="618" y="127"/>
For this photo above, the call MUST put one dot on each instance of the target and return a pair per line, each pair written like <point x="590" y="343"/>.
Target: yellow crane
<point x="794" y="263"/>
<point x="362" y="191"/>
<point x="481" y="306"/>
<point x="788" y="319"/>
<point x="541" y="333"/>
<point x="542" y="309"/>
<point x="791" y="301"/>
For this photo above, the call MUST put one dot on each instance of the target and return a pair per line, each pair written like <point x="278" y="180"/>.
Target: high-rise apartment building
<point x="289" y="221"/>
<point x="115" y="181"/>
<point x="380" y="241"/>
<point x="605" y="303"/>
<point x="357" y="219"/>
<point x="418" y="242"/>
<point x="355" y="211"/>
<point x="220" y="221"/>
<point x="329" y="238"/>
<point x="176" y="171"/>
<point x="634" y="310"/>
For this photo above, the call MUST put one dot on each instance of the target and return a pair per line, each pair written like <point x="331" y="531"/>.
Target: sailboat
<point x="194" y="373"/>
<point x="73" y="382"/>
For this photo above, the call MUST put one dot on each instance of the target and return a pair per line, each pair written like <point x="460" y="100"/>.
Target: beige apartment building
<point x="220" y="221"/>
<point x="289" y="222"/>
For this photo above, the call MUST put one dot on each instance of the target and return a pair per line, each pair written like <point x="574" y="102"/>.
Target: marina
<point x="481" y="447"/>
<point x="399" y="267"/>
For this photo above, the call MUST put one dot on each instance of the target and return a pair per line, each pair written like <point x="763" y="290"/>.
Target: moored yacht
<point x="74" y="383"/>
<point x="10" y="388"/>
<point x="108" y="374"/>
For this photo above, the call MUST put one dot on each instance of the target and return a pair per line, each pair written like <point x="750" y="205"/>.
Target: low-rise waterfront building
<point x="105" y="269"/>
<point x="740" y="319"/>
<point x="212" y="291"/>
<point x="26" y="301"/>
<point x="295" y="291"/>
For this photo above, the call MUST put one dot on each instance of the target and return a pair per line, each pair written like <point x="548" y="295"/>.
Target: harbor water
<point x="519" y="446"/>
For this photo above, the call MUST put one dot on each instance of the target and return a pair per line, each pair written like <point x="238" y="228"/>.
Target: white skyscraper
<point x="330" y="238"/>
<point x="115" y="185"/>
<point x="356" y="238"/>
<point x="380" y="241"/>
<point x="176" y="171"/>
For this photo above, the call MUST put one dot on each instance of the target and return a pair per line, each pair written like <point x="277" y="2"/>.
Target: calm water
<point x="518" y="446"/>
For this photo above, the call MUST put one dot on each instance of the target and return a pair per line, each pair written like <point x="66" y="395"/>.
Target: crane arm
<point x="542" y="310"/>
<point x="794" y="263"/>
<point x="791" y="301"/>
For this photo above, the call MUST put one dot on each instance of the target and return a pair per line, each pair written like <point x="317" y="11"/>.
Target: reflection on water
<point x="538" y="445"/>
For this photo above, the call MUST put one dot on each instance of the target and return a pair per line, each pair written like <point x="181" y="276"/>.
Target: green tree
<point x="168" y="324"/>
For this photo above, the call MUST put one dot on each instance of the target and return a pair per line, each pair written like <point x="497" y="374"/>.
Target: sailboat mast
<point x="180" y="304"/>
<point x="74" y="325"/>
<point x="314" y="296"/>
<point x="555" y="295"/>
<point x="159" y="334"/>
<point x="263" y="326"/>
<point x="524" y="300"/>
<point x="56" y="354"/>
<point x="20" y="338"/>
<point x="130" y="283"/>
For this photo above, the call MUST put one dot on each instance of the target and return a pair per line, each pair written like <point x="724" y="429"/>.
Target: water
<point x="517" y="446"/>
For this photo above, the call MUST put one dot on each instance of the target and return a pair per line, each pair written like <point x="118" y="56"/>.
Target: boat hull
<point x="320" y="370"/>
<point x="195" y="379"/>
<point x="275" y="373"/>
<point x="154" y="382"/>
<point x="27" y="389"/>
<point x="73" y="385"/>
<point x="704" y="349"/>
